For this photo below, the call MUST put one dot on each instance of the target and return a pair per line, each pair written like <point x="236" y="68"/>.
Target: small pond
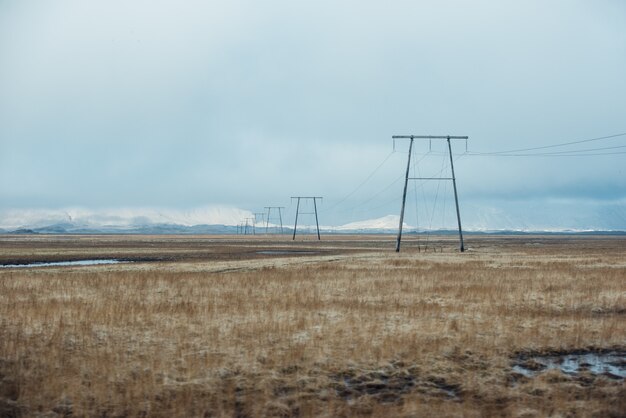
<point x="611" y="364"/>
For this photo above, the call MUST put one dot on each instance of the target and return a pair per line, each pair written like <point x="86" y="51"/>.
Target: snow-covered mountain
<point x="386" y="223"/>
<point x="77" y="219"/>
<point x="555" y="218"/>
<point x="546" y="216"/>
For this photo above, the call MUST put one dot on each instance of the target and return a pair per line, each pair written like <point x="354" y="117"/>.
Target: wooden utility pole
<point x="317" y="224"/>
<point x="256" y="217"/>
<point x="252" y="222"/>
<point x="280" y="217"/>
<point x="406" y="182"/>
<point x="456" y="198"/>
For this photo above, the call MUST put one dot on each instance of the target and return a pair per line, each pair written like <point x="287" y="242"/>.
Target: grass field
<point x="225" y="326"/>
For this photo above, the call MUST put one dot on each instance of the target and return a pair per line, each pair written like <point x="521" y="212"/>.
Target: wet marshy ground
<point x="286" y="252"/>
<point x="609" y="363"/>
<point x="389" y="384"/>
<point x="64" y="263"/>
<point x="343" y="327"/>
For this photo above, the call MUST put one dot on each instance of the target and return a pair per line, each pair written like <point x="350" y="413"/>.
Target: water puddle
<point x="610" y="363"/>
<point x="63" y="263"/>
<point x="286" y="252"/>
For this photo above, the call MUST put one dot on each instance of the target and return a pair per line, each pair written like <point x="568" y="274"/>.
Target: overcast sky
<point x="186" y="104"/>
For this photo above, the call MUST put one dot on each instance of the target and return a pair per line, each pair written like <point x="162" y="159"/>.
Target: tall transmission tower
<point x="407" y="178"/>
<point x="317" y="224"/>
<point x="280" y="217"/>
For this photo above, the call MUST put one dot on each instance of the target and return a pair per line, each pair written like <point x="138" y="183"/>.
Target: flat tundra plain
<point x="245" y="326"/>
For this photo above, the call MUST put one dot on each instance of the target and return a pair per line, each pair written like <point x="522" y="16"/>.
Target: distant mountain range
<point x="217" y="220"/>
<point x="212" y="220"/>
<point x="153" y="229"/>
<point x="390" y="223"/>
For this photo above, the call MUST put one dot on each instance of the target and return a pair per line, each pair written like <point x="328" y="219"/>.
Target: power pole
<point x="406" y="183"/>
<point x="453" y="178"/>
<point x="317" y="224"/>
<point x="280" y="217"/>
<point x="249" y="223"/>
<point x="456" y="198"/>
<point x="295" y="226"/>
<point x="256" y="216"/>
<point x="252" y="222"/>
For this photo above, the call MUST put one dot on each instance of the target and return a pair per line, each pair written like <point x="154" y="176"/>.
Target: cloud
<point x="122" y="217"/>
<point x="170" y="104"/>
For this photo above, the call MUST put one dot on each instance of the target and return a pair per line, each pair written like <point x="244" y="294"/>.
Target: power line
<point x="585" y="150"/>
<point x="563" y="144"/>
<point x="419" y="184"/>
<point x="375" y="195"/>
<point x="381" y="191"/>
<point x="564" y="154"/>
<point x="362" y="183"/>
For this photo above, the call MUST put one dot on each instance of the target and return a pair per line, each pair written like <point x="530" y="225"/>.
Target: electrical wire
<point x="375" y="195"/>
<point x="383" y="190"/>
<point x="567" y="154"/>
<point x="445" y="201"/>
<point x="563" y="144"/>
<point x="417" y="217"/>
<point x="416" y="162"/>
<point x="432" y="213"/>
<point x="584" y="150"/>
<point x="361" y="184"/>
<point x="420" y="185"/>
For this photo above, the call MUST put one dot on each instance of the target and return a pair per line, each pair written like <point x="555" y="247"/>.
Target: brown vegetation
<point x="353" y="330"/>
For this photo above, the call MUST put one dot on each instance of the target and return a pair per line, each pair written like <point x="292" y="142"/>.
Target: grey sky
<point x="245" y="103"/>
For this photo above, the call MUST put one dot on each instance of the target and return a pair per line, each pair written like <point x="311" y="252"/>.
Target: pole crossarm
<point x="430" y="178"/>
<point x="428" y="137"/>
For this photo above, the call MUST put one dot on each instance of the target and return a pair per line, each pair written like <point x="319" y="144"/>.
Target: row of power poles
<point x="249" y="224"/>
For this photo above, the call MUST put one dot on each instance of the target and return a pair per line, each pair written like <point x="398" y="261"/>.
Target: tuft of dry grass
<point x="355" y="330"/>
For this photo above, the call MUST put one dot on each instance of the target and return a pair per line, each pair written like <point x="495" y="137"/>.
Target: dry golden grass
<point x="357" y="330"/>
